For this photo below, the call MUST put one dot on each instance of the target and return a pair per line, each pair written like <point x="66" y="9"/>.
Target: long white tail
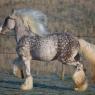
<point x="88" y="50"/>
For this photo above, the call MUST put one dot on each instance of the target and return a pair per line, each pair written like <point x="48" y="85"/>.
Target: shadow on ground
<point x="43" y="85"/>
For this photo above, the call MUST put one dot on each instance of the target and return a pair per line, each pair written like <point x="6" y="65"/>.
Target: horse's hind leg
<point x="79" y="74"/>
<point x="62" y="71"/>
<point x="63" y="64"/>
<point x="80" y="78"/>
<point x="26" y="57"/>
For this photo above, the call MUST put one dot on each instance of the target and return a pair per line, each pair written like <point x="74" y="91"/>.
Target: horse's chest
<point x="44" y="50"/>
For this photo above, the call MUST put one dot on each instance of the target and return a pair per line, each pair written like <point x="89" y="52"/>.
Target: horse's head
<point x="8" y="24"/>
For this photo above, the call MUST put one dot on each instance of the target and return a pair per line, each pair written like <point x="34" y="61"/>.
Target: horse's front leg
<point x="26" y="57"/>
<point x="18" y="68"/>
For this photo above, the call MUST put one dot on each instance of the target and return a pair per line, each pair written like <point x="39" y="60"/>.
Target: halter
<point x="9" y="17"/>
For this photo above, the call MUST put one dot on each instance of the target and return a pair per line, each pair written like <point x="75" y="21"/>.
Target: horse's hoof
<point x="82" y="87"/>
<point x="28" y="84"/>
<point x="80" y="81"/>
<point x="25" y="87"/>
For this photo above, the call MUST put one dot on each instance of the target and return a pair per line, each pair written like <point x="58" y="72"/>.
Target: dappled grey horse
<point x="62" y="46"/>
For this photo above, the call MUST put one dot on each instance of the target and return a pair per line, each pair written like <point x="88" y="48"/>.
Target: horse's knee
<point x="80" y="78"/>
<point x="26" y="61"/>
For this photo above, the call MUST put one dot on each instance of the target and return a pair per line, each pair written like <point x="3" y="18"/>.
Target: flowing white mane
<point x="34" y="20"/>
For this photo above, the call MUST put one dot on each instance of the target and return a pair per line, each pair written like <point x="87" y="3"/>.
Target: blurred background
<point x="75" y="16"/>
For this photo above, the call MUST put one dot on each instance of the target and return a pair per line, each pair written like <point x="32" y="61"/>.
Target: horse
<point x="60" y="46"/>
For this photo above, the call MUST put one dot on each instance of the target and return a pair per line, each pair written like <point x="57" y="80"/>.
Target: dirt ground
<point x="43" y="85"/>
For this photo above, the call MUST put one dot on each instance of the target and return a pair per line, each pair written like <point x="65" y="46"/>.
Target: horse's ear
<point x="13" y="11"/>
<point x="12" y="15"/>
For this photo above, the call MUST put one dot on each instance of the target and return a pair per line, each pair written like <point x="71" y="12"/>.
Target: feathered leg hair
<point x="79" y="78"/>
<point x="88" y="50"/>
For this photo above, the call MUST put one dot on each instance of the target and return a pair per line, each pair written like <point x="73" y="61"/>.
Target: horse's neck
<point x="20" y="30"/>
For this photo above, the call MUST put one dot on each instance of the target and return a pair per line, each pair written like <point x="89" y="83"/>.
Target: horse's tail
<point x="88" y="50"/>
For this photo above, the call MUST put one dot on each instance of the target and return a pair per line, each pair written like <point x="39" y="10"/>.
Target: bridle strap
<point x="11" y="18"/>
